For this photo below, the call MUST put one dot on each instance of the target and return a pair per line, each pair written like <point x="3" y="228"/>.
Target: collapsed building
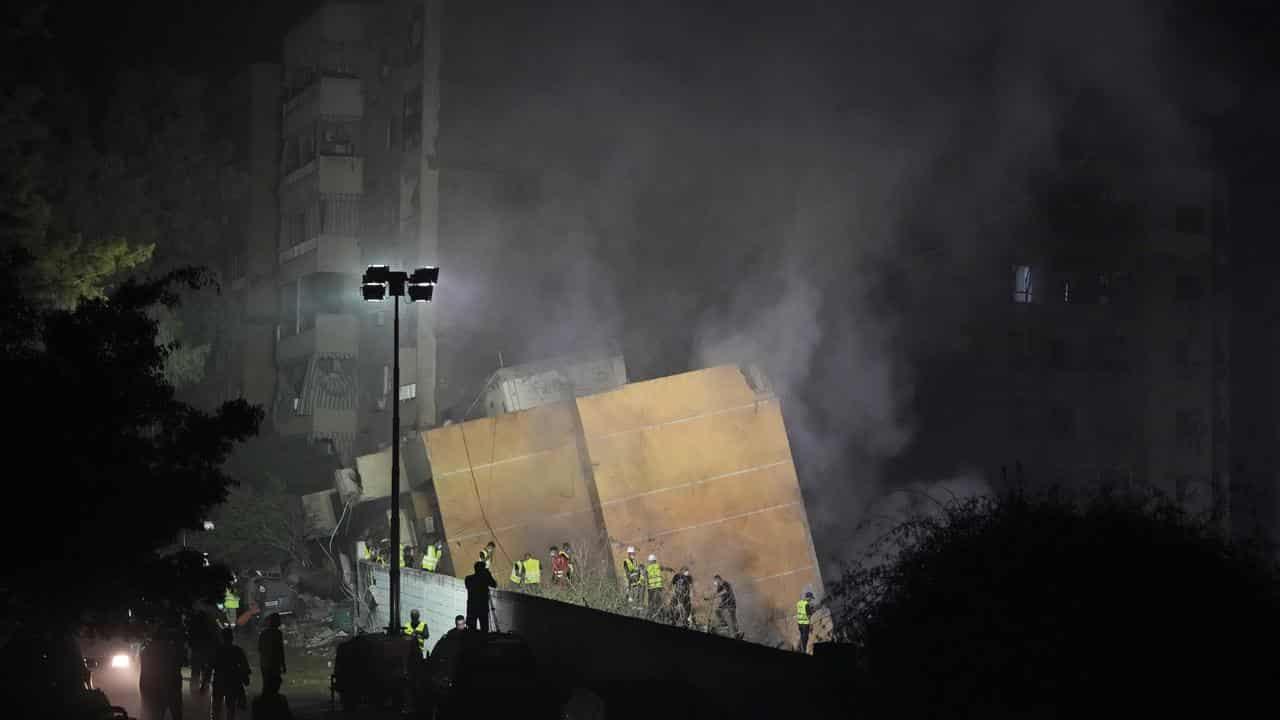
<point x="694" y="468"/>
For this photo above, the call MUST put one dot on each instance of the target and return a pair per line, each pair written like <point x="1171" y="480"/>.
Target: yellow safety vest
<point x="232" y="601"/>
<point x="802" y="612"/>
<point x="532" y="571"/>
<point x="515" y="573"/>
<point x="655" y="576"/>
<point x="431" y="558"/>
<point x="418" y="633"/>
<point x="632" y="571"/>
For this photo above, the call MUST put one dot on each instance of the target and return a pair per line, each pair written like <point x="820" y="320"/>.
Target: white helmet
<point x="630" y="550"/>
<point x="653" y="558"/>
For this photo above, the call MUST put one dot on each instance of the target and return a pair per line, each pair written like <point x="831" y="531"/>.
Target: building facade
<point x="1116" y="370"/>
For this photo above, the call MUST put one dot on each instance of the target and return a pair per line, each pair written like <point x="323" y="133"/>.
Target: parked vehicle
<point x="374" y="669"/>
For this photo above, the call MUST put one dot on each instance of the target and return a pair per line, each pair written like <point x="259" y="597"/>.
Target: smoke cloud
<point x="826" y="189"/>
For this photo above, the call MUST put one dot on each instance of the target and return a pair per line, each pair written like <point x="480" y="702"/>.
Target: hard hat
<point x="653" y="558"/>
<point x="630" y="550"/>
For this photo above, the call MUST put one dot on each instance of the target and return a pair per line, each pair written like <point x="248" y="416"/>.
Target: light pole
<point x="378" y="282"/>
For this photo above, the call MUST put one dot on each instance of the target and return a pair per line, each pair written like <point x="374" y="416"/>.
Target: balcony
<point x="335" y="174"/>
<point x="337" y="334"/>
<point x="326" y="96"/>
<point x="322" y="253"/>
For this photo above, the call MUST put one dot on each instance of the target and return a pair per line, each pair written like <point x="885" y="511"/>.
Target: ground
<point x="306" y="686"/>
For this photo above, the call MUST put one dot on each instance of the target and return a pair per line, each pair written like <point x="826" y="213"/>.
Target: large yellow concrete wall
<point x="697" y="469"/>
<point x="517" y="479"/>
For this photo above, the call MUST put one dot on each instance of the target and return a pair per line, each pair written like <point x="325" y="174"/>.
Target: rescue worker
<point x="231" y="604"/>
<point x="409" y="558"/>
<point x="559" y="566"/>
<point x="682" y="597"/>
<point x="486" y="555"/>
<point x="631" y="571"/>
<point x="726" y="607"/>
<point x="567" y="552"/>
<point x="271" y="652"/>
<point x="478" y="584"/>
<point x="160" y="674"/>
<point x="230" y="677"/>
<point x="416" y="628"/>
<point x="653" y="571"/>
<point x="804" y="611"/>
<point x="532" y="572"/>
<point x="517" y="573"/>
<point x="431" y="557"/>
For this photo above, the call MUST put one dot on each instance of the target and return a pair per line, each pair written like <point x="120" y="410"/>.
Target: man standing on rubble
<point x="804" y="614"/>
<point x="631" y="571"/>
<point x="532" y="572"/>
<point x="431" y="557"/>
<point x="682" y="597"/>
<point x="478" y="584"/>
<point x="653" y="571"/>
<point x="559" y="566"/>
<point x="726" y="607"/>
<point x="271" y="652"/>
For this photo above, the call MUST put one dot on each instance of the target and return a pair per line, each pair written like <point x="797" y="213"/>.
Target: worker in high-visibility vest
<point x="517" y="573"/>
<point x="804" y="611"/>
<point x="431" y="558"/>
<point x="635" y="580"/>
<point x="417" y="629"/>
<point x="532" y="572"/>
<point x="653" y="571"/>
<point x="231" y="603"/>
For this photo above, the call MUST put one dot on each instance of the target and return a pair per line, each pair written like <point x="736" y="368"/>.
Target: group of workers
<point x="645" y="586"/>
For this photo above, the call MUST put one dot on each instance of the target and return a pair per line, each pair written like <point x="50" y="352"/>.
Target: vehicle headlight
<point x="120" y="661"/>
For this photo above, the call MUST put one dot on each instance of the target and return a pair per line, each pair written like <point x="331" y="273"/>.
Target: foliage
<point x="1034" y="605"/>
<point x="65" y="266"/>
<point x="258" y="526"/>
<point x="102" y="449"/>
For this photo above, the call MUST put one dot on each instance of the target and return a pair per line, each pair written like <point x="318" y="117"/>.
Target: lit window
<point x="1022" y="285"/>
<point x="409" y="392"/>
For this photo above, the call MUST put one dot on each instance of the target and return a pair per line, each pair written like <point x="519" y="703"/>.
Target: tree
<point x="28" y="223"/>
<point x="257" y="526"/>
<point x="1049" y="605"/>
<point x="101" y="449"/>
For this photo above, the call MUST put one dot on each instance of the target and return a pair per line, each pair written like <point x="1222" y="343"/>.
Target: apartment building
<point x="1116" y="369"/>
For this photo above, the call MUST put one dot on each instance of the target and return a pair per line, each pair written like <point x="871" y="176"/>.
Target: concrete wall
<point x="617" y="656"/>
<point x="439" y="598"/>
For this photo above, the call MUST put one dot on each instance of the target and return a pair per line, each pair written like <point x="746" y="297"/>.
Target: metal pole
<point x="394" y="627"/>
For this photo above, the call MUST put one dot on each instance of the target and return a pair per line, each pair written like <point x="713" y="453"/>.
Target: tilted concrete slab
<point x="695" y="468"/>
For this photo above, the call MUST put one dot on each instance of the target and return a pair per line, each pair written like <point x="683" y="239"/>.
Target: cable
<point x="475" y="484"/>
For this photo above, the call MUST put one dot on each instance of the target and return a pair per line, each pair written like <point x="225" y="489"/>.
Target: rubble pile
<point x="315" y="629"/>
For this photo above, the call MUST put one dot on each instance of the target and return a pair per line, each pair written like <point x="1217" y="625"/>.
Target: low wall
<point x="616" y="656"/>
<point x="439" y="598"/>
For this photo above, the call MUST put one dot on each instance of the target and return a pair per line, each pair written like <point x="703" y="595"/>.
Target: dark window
<point x="1188" y="288"/>
<point x="1062" y="422"/>
<point x="1058" y="359"/>
<point x="1022" y="284"/>
<point x="1190" y="430"/>
<point x="1189" y="219"/>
